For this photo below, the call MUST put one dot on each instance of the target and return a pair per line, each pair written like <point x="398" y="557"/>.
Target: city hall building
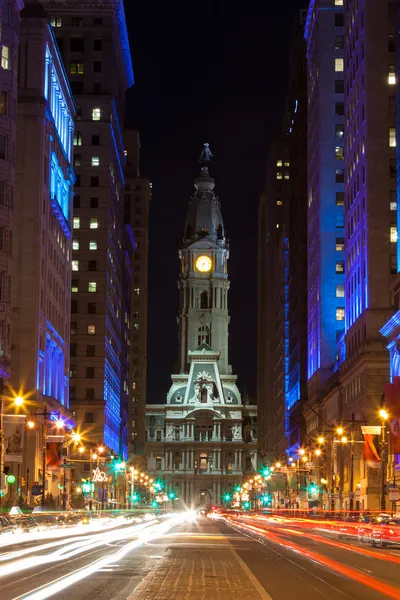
<point x="202" y="441"/>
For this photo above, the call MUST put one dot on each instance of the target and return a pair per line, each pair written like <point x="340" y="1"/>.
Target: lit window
<point x="279" y="202"/>
<point x="92" y="245"/>
<point x="74" y="286"/>
<point x="136" y="291"/>
<point x="392" y="75"/>
<point x="393" y="206"/>
<point x="392" y="137"/>
<point x="339" y="244"/>
<point x="339" y="152"/>
<point x="76" y="67"/>
<point x="393" y="233"/>
<point x="339" y="198"/>
<point x="95" y="161"/>
<point x="91" y="329"/>
<point x="338" y="2"/>
<point x="93" y="224"/>
<point x="77" y="138"/>
<point x="56" y="21"/>
<point x="339" y="266"/>
<point x="75" y="244"/>
<point x="75" y="265"/>
<point x="340" y="314"/>
<point x="279" y="163"/>
<point x="340" y="290"/>
<point x="5" y="58"/>
<point x="279" y="175"/>
<point x="76" y="222"/>
<point x="286" y="164"/>
<point x="287" y="176"/>
<point x="96" y="114"/>
<point x="92" y="286"/>
<point x="339" y="131"/>
<point x="339" y="65"/>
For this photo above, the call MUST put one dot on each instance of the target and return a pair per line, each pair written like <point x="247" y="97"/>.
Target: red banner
<point x="371" y="455"/>
<point x="392" y="405"/>
<point x="54" y="454"/>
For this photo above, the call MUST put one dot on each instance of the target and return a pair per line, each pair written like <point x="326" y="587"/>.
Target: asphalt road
<point x="289" y="562"/>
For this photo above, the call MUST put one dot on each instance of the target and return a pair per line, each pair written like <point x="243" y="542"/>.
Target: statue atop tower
<point x="206" y="155"/>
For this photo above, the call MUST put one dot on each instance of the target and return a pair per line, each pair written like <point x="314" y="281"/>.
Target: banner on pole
<point x="13" y="437"/>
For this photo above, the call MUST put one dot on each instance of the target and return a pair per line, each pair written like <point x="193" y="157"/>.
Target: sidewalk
<point x="205" y="568"/>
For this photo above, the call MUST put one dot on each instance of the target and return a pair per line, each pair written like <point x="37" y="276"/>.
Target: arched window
<point x="204" y="335"/>
<point x="204" y="300"/>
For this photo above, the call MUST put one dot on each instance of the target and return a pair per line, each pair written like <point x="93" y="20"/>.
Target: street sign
<point x="371" y="429"/>
<point x="393" y="494"/>
<point x="310" y="465"/>
<point x="66" y="466"/>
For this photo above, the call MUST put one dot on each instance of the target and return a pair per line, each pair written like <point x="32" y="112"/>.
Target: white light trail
<point x="48" y="590"/>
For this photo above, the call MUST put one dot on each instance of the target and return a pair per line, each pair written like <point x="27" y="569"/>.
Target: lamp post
<point x="18" y="401"/>
<point x="384" y="416"/>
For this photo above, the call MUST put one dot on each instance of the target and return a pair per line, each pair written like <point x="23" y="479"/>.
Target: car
<point x="386" y="532"/>
<point x="6" y="527"/>
<point x="25" y="524"/>
<point x="348" y="527"/>
<point x="368" y="522"/>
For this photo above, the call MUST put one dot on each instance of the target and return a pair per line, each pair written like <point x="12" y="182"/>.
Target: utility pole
<point x="383" y="464"/>
<point x="2" y="476"/>
<point x="352" y="463"/>
<point x="44" y="456"/>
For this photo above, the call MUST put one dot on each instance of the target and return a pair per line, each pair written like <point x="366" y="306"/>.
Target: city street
<point x="243" y="557"/>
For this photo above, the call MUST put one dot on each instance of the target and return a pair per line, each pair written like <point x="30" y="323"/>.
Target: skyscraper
<point x="137" y="204"/>
<point x="95" y="47"/>
<point x="42" y="244"/>
<point x="202" y="441"/>
<point x="324" y="33"/>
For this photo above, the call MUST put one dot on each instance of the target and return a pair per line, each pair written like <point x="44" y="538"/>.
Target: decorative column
<point x="240" y="465"/>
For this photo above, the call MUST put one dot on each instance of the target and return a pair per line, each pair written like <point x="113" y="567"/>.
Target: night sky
<point x="211" y="71"/>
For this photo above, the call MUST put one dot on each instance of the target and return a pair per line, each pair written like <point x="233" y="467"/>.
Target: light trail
<point x="61" y="584"/>
<point x="69" y="550"/>
<point x="349" y="572"/>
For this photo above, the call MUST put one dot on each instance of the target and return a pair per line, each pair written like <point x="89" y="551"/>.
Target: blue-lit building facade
<point x="42" y="236"/>
<point x="324" y="35"/>
<point x="94" y="44"/>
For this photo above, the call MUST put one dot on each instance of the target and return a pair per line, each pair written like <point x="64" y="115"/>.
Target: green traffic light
<point x="171" y="495"/>
<point x="227" y="497"/>
<point x="10" y="479"/>
<point x="246" y="505"/>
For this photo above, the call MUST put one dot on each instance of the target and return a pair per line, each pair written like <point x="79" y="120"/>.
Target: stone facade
<point x="203" y="440"/>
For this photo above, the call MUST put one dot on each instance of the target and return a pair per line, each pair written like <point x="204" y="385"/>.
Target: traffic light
<point x="266" y="472"/>
<point x="171" y="495"/>
<point x="11" y="479"/>
<point x="227" y="497"/>
<point x="158" y="486"/>
<point x="120" y="465"/>
<point x="246" y="505"/>
<point x="265" y="499"/>
<point x="238" y="489"/>
<point x="135" y="497"/>
<point x="313" y="488"/>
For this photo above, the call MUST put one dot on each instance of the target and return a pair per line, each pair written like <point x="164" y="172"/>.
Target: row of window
<point x="93" y="223"/>
<point x="94" y="181"/>
<point x="92" y="265"/>
<point x="77" y="44"/>
<point x="95" y="161"/>
<point x="78" y="139"/>
<point x="92" y="286"/>
<point x="58" y="21"/>
<point x="93" y="203"/>
<point x="90" y="373"/>
<point x="92" y="246"/>
<point x="91" y="329"/>
<point x="77" y="67"/>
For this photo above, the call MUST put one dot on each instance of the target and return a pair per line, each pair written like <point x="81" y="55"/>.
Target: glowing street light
<point x="31" y="424"/>
<point x="81" y="449"/>
<point x="344" y="439"/>
<point x="76" y="437"/>
<point x="100" y="449"/>
<point x="318" y="452"/>
<point x="384" y="415"/>
<point x="321" y="440"/>
<point x="18" y="400"/>
<point x="339" y="430"/>
<point x="302" y="451"/>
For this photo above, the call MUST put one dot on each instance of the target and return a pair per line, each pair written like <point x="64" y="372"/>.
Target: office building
<point x="137" y="205"/>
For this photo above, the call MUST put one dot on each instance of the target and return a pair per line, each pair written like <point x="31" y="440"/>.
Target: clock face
<point x="203" y="264"/>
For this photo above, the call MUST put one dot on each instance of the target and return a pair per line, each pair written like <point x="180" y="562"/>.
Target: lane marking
<point x="262" y="592"/>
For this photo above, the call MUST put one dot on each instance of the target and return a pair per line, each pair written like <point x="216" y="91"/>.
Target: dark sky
<point x="212" y="71"/>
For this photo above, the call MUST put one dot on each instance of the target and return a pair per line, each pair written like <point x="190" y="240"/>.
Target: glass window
<point x="340" y="220"/>
<point x="3" y="146"/>
<point x="339" y="244"/>
<point x="339" y="109"/>
<point x="92" y="245"/>
<point x="90" y="350"/>
<point x="97" y="66"/>
<point x="76" y="67"/>
<point x="3" y="103"/>
<point x="339" y="86"/>
<point x="97" y="45"/>
<point x="77" y="138"/>
<point x="74" y="327"/>
<point x="75" y="265"/>
<point x="393" y="233"/>
<point x="339" y="42"/>
<point x="93" y="223"/>
<point x="94" y="202"/>
<point x="339" y="19"/>
<point x="96" y="114"/>
<point x="340" y="290"/>
<point x="339" y="153"/>
<point x="393" y="200"/>
<point x="76" y="222"/>
<point x="339" y="130"/>
<point x="338" y="2"/>
<point x="91" y="329"/>
<point x="77" y="160"/>
<point x="340" y="314"/>
<point x="5" y="58"/>
<point x="75" y="244"/>
<point x="392" y="137"/>
<point x="56" y="21"/>
<point x="340" y="266"/>
<point x="92" y="286"/>
<point x="74" y="286"/>
<point x="77" y="44"/>
<point x="392" y="75"/>
<point x="95" y="161"/>
<point x="339" y="175"/>
<point x="339" y="65"/>
<point x="89" y="373"/>
<point x="279" y="163"/>
<point x="339" y="198"/>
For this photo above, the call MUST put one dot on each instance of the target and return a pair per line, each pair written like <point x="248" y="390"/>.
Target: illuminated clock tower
<point x="203" y="282"/>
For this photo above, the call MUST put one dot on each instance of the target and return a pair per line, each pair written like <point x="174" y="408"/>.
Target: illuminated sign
<point x="99" y="475"/>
